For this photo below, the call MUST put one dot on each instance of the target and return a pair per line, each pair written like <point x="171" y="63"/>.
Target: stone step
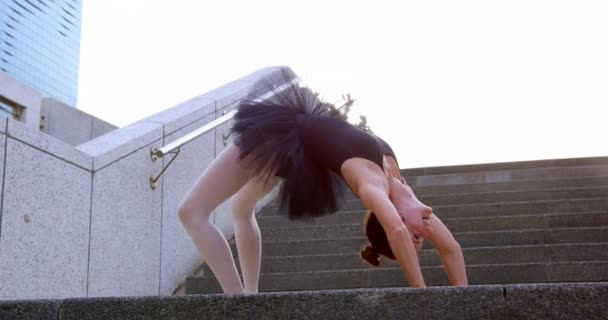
<point x="499" y="302"/>
<point x="466" y="240"/>
<point x="521" y="208"/>
<point x="499" y="187"/>
<point x="560" y="164"/>
<point x="509" y="175"/>
<point x="430" y="257"/>
<point x="451" y="212"/>
<point x="556" y="220"/>
<point x="511" y="186"/>
<point x="515" y="196"/>
<point x="487" y="197"/>
<point x="561" y="220"/>
<point x="434" y="276"/>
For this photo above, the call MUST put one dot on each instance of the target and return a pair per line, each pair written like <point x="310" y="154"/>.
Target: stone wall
<point x="84" y="222"/>
<point x="69" y="124"/>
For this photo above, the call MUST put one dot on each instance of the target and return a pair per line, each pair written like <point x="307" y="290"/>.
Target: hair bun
<point x="370" y="255"/>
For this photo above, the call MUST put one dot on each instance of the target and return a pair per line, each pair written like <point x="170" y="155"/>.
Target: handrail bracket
<point x="154" y="155"/>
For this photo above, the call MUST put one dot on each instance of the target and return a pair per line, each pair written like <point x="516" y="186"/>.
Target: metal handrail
<point x="174" y="147"/>
<point x="161" y="152"/>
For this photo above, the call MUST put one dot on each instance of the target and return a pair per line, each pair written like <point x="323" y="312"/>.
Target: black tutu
<point x="267" y="135"/>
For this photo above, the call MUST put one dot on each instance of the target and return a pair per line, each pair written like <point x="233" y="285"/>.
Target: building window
<point x="46" y="5"/>
<point x="24" y="8"/>
<point x="33" y="5"/>
<point x="10" y="109"/>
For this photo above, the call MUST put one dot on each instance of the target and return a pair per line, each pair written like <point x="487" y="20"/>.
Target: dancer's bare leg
<point x="246" y="230"/>
<point x="224" y="177"/>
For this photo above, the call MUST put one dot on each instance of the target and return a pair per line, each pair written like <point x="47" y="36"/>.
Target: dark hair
<point x="378" y="242"/>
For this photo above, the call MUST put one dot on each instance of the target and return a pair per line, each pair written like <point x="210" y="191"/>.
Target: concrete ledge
<point x="564" y="301"/>
<point x="69" y="124"/>
<point x="100" y="127"/>
<point x="183" y="114"/>
<point x="218" y="99"/>
<point x="30" y="309"/>
<point x="122" y="142"/>
<point x="44" y="142"/>
<point x="231" y="93"/>
<point x="526" y="301"/>
<point x="254" y="83"/>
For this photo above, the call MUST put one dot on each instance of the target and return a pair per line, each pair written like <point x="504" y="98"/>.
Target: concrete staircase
<point x="523" y="222"/>
<point x="535" y="238"/>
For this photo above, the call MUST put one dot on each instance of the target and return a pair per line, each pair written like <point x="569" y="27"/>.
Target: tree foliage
<point x="345" y="109"/>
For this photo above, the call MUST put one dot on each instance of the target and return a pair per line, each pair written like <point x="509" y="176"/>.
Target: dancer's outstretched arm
<point x="397" y="234"/>
<point x="450" y="251"/>
<point x="369" y="182"/>
<point x="371" y="186"/>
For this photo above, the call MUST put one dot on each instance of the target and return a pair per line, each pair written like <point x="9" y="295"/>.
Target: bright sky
<point x="444" y="82"/>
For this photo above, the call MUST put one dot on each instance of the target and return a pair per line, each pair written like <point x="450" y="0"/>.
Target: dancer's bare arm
<point x="450" y="252"/>
<point x="398" y="237"/>
<point x="391" y="168"/>
<point x="368" y="181"/>
<point x="443" y="240"/>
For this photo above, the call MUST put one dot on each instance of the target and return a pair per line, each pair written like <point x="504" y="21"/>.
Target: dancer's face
<point x="414" y="214"/>
<point x="417" y="223"/>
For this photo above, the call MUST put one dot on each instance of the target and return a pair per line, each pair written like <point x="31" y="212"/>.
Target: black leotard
<point x="331" y="141"/>
<point x="304" y="142"/>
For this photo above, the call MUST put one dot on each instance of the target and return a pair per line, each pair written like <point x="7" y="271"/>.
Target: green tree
<point x="363" y="124"/>
<point x="344" y="110"/>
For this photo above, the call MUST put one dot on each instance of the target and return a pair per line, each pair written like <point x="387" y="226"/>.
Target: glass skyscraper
<point x="40" y="45"/>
